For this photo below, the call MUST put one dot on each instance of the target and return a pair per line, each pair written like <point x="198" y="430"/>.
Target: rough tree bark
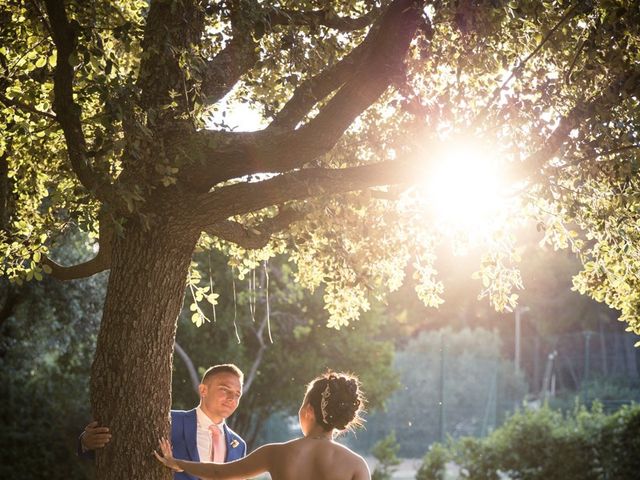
<point x="131" y="373"/>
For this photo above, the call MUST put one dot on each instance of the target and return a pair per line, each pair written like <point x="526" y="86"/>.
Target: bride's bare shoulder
<point x="357" y="461"/>
<point x="361" y="468"/>
<point x="287" y="444"/>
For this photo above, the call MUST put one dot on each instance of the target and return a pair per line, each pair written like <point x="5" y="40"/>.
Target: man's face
<point x="220" y="395"/>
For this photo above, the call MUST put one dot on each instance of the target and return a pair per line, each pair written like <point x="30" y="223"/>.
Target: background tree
<point x="47" y="339"/>
<point x="280" y="349"/>
<point x="105" y="107"/>
<point x="453" y="383"/>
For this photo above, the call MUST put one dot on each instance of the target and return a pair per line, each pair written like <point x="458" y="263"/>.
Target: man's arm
<point x="91" y="438"/>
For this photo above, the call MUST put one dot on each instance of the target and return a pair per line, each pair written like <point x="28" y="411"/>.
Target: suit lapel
<point x="227" y="441"/>
<point x="191" y="436"/>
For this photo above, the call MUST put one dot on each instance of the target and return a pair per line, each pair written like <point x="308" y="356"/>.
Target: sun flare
<point x="465" y="189"/>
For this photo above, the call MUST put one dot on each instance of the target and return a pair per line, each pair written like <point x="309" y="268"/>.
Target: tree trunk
<point x="131" y="373"/>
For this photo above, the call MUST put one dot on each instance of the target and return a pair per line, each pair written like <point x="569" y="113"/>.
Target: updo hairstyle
<point x="337" y="401"/>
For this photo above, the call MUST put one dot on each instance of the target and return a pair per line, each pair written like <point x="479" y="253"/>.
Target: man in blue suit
<point x="200" y="434"/>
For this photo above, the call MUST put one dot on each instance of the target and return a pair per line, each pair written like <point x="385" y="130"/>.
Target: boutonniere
<point x="234" y="443"/>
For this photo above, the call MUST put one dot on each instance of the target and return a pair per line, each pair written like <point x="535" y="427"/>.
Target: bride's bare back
<point x="315" y="459"/>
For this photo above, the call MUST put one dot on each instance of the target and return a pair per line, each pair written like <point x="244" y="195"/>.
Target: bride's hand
<point x="167" y="455"/>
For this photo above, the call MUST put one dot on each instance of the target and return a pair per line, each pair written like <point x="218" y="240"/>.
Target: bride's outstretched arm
<point x="250" y="466"/>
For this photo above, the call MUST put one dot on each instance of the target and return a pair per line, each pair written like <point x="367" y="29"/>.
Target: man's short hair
<point x="223" y="368"/>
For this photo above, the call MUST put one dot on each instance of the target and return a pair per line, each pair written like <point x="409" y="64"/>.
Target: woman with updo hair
<point x="333" y="403"/>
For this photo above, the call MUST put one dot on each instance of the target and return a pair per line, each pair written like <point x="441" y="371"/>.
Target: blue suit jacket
<point x="184" y="443"/>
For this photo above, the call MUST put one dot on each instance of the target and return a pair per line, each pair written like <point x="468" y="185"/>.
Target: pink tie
<point x="217" y="445"/>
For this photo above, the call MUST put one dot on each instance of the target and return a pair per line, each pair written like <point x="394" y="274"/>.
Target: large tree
<point x="114" y="120"/>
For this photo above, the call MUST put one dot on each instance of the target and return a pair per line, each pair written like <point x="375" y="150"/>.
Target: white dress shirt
<point x="203" y="435"/>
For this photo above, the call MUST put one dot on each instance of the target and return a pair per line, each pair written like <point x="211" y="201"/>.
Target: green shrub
<point x="434" y="464"/>
<point x="545" y="444"/>
<point x="386" y="452"/>
<point x="620" y="444"/>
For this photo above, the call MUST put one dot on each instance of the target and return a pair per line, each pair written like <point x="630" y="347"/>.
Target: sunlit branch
<point x="257" y="358"/>
<point x="626" y="84"/>
<point x="328" y="18"/>
<point x="10" y="69"/>
<point x="66" y="110"/>
<point x="246" y="197"/>
<point x="318" y="87"/>
<point x="5" y="189"/>
<point x="522" y="63"/>
<point x="383" y="63"/>
<point x="579" y="49"/>
<point x="226" y="68"/>
<point x="604" y="153"/>
<point x="254" y="236"/>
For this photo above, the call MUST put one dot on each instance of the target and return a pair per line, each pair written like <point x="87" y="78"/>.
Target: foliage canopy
<point x="112" y="110"/>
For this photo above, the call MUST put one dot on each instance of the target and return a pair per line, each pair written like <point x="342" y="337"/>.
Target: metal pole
<point x="518" y="312"/>
<point x="585" y="377"/>
<point x="441" y="399"/>
<point x="536" y="362"/>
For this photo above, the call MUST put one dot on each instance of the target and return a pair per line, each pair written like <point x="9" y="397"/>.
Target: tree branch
<point x="625" y="84"/>
<point x="380" y="65"/>
<point x="169" y="32"/>
<point x="522" y="63"/>
<point x="193" y="375"/>
<point x="224" y="71"/>
<point x="99" y="263"/>
<point x="254" y="237"/>
<point x="316" y="88"/>
<point x="66" y="110"/>
<point x="242" y="198"/>
<point x="328" y="18"/>
<point x="241" y="53"/>
<point x="246" y="197"/>
<point x="5" y="189"/>
<point x="257" y="359"/>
